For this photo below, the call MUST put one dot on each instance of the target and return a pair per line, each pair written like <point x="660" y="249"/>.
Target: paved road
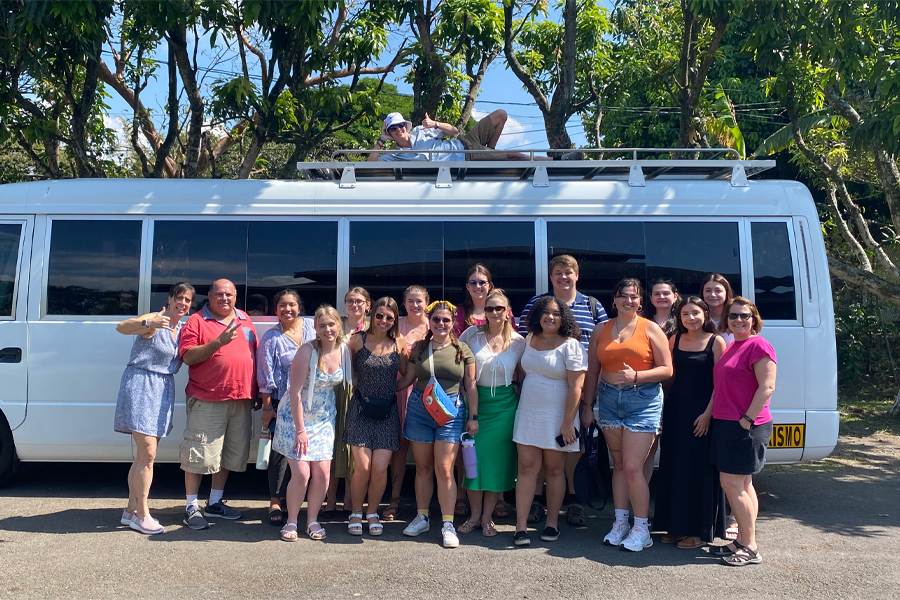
<point x="827" y="530"/>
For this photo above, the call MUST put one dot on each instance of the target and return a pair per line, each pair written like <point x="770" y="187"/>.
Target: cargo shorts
<point x="477" y="138"/>
<point x="217" y="436"/>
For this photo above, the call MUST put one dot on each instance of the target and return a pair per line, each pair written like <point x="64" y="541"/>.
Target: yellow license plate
<point x="788" y="436"/>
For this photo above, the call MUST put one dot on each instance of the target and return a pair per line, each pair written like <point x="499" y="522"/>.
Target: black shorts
<point x="739" y="451"/>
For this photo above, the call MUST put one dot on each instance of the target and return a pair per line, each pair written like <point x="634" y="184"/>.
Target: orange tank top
<point x="636" y="352"/>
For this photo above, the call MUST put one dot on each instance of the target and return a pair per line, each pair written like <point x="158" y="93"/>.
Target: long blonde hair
<point x="506" y="330"/>
<point x="323" y="310"/>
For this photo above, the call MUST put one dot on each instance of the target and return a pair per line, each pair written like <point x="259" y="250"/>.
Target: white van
<point x="78" y="256"/>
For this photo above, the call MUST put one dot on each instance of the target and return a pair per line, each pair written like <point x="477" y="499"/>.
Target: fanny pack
<point x="435" y="399"/>
<point x="375" y="408"/>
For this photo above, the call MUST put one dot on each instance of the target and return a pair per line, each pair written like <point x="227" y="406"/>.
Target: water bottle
<point x="265" y="446"/>
<point x="470" y="460"/>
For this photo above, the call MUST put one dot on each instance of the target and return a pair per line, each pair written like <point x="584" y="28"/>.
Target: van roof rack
<point x="634" y="165"/>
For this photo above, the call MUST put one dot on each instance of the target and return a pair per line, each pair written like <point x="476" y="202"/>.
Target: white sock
<point x="192" y="501"/>
<point x="621" y="514"/>
<point x="215" y="496"/>
<point x="639" y="522"/>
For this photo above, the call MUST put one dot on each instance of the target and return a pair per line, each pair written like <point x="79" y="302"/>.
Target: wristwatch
<point x="473" y="417"/>
<point x="144" y="323"/>
<point x="748" y="419"/>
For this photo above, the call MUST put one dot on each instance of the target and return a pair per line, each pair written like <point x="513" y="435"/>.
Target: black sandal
<point x="276" y="517"/>
<point x="575" y="516"/>
<point x="536" y="514"/>
<point x="750" y="557"/>
<point x="724" y="551"/>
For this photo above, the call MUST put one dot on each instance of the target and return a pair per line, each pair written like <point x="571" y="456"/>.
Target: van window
<point x="94" y="267"/>
<point x="773" y="271"/>
<point x="608" y="251"/>
<point x="9" y="256"/>
<point x="388" y="256"/>
<point x="259" y="257"/>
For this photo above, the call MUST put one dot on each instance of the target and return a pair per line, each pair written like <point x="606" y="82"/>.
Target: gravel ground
<point x="829" y="529"/>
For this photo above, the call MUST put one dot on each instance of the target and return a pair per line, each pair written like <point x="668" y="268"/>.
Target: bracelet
<point x="635" y="378"/>
<point x="748" y="419"/>
<point x="586" y="405"/>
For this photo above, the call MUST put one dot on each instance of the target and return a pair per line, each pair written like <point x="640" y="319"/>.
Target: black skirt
<point x="739" y="451"/>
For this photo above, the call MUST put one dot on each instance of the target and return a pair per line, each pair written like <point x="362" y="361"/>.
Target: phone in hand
<point x="562" y="443"/>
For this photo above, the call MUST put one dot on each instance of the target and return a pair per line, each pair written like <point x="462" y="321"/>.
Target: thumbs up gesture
<point x="159" y="320"/>
<point x="428" y="122"/>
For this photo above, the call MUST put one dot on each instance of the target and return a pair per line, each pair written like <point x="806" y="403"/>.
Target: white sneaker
<point x="617" y="534"/>
<point x="417" y="526"/>
<point x="448" y="532"/>
<point x="147" y="525"/>
<point x="126" y="518"/>
<point x="638" y="539"/>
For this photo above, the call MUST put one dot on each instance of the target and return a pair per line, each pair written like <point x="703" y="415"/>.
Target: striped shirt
<point x="581" y="309"/>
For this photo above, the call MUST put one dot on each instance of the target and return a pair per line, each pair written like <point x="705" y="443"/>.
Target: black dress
<point x="689" y="500"/>
<point x="376" y="377"/>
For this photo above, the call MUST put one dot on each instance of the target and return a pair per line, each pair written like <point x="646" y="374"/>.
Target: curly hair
<point x="422" y="344"/>
<point x="568" y="327"/>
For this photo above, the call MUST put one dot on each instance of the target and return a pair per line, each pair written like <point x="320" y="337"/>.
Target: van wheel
<point x="7" y="451"/>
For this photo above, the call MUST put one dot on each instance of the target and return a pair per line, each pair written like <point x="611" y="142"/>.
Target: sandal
<point x="469" y="526"/>
<point x="671" y="539"/>
<point x="731" y="532"/>
<point x="315" y="534"/>
<point x="536" y="514"/>
<point x="501" y="511"/>
<point x="723" y="551"/>
<point x="488" y="529"/>
<point x="690" y="543"/>
<point x="355" y="528"/>
<point x="745" y="556"/>
<point x="462" y="507"/>
<point x="392" y="511"/>
<point x="374" y="528"/>
<point x="289" y="535"/>
<point x="276" y="516"/>
<point x="575" y="516"/>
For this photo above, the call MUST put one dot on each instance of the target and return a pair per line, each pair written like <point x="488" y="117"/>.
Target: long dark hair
<point x="289" y="292"/>
<point x="568" y="327"/>
<point x="708" y="325"/>
<point x="391" y="305"/>
<point x="670" y="326"/>
<point x="422" y="344"/>
<point x="467" y="301"/>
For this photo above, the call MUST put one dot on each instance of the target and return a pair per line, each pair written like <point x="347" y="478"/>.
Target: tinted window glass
<point x="198" y="252"/>
<point x="94" y="268"/>
<point x="608" y="251"/>
<point x="299" y="256"/>
<point x="773" y="271"/>
<point x="9" y="256"/>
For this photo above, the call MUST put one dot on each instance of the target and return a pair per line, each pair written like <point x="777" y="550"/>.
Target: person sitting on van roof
<point x="430" y="135"/>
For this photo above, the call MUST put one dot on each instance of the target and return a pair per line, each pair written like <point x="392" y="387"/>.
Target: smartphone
<point x="562" y="443"/>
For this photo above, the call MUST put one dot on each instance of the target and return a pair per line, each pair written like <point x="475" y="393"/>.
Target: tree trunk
<point x="895" y="409"/>
<point x="178" y="37"/>
<point x="431" y="78"/>
<point x="877" y="285"/>
<point x="474" y="85"/>
<point x="81" y="113"/>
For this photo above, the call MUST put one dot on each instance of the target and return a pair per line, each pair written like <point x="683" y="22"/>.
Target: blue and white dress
<point x="319" y="413"/>
<point x="146" y="399"/>
<point x="273" y="359"/>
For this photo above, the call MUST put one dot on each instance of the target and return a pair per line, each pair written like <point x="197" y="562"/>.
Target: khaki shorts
<point x="478" y="138"/>
<point x="217" y="436"/>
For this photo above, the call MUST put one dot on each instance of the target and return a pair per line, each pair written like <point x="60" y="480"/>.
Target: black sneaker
<point x="550" y="534"/>
<point x="193" y="518"/>
<point x="219" y="510"/>
<point x="521" y="539"/>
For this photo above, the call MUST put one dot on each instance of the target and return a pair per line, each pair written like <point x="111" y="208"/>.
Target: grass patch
<point x="864" y="409"/>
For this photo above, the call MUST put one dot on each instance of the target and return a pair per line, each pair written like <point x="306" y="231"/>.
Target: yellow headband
<point x="431" y="306"/>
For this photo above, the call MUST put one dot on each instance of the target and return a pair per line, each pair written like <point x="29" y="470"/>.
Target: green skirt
<point x="342" y="463"/>
<point x="494" y="446"/>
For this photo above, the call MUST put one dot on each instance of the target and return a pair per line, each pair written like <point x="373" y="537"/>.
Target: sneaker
<point x="448" y="533"/>
<point x="147" y="525"/>
<point x="220" y="510"/>
<point x="126" y="518"/>
<point x="193" y="518"/>
<point x="572" y="156"/>
<point x="417" y="526"/>
<point x="550" y="534"/>
<point x="638" y="539"/>
<point x="521" y="538"/>
<point x="617" y="534"/>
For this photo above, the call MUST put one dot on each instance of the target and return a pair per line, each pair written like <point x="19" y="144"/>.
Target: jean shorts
<point x="637" y="408"/>
<point x="420" y="427"/>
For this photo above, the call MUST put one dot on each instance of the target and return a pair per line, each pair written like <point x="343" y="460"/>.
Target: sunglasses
<point x="477" y="282"/>
<point x="384" y="317"/>
<point x="394" y="128"/>
<point x="740" y="316"/>
<point x="495" y="309"/>
<point x="438" y="320"/>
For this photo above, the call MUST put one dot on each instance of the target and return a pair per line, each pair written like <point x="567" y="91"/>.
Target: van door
<point x="15" y="249"/>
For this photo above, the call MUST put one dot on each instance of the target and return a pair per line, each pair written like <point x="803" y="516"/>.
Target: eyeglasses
<point x="478" y="282"/>
<point x="495" y="309"/>
<point x="354" y="302"/>
<point x="384" y="317"/>
<point x="438" y="320"/>
<point x="740" y="316"/>
<point x="394" y="128"/>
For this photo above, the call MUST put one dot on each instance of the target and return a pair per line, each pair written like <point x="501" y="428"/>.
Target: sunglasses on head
<point x="394" y="128"/>
<point x="439" y="320"/>
<point x="740" y="316"/>
<point x="384" y="317"/>
<point x="495" y="309"/>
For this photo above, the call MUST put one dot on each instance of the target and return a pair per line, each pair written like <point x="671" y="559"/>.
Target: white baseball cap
<point x="392" y="119"/>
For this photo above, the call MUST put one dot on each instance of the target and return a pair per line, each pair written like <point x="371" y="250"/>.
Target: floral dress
<point x="319" y="413"/>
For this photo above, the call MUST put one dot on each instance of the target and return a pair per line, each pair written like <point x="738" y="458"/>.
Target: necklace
<point x="617" y="330"/>
<point x="438" y="346"/>
<point x="496" y="341"/>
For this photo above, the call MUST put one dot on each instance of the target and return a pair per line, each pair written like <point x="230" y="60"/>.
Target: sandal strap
<point x="372" y="516"/>
<point x="356" y="514"/>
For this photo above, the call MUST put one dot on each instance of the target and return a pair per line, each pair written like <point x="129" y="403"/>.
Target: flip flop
<point x="462" y="507"/>
<point x="276" y="517"/>
<point x="671" y="539"/>
<point x="689" y="543"/>
<point x="731" y="532"/>
<point x="392" y="511"/>
<point x="501" y="511"/>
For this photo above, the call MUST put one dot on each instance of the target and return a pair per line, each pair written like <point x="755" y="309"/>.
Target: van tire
<point x="7" y="451"/>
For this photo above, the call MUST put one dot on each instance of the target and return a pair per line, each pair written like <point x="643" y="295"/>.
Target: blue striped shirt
<point x="581" y="309"/>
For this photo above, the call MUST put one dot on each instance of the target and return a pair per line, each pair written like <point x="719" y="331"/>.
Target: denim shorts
<point x="637" y="408"/>
<point x="420" y="427"/>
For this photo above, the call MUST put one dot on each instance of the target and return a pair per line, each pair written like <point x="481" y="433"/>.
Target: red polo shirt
<point x="230" y="373"/>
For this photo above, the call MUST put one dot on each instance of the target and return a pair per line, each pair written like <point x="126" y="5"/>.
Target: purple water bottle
<point x="468" y="453"/>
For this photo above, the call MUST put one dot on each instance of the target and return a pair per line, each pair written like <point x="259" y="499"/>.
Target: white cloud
<point x="117" y="125"/>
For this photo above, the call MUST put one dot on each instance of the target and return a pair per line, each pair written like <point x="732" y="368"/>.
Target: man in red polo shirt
<point x="218" y="344"/>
